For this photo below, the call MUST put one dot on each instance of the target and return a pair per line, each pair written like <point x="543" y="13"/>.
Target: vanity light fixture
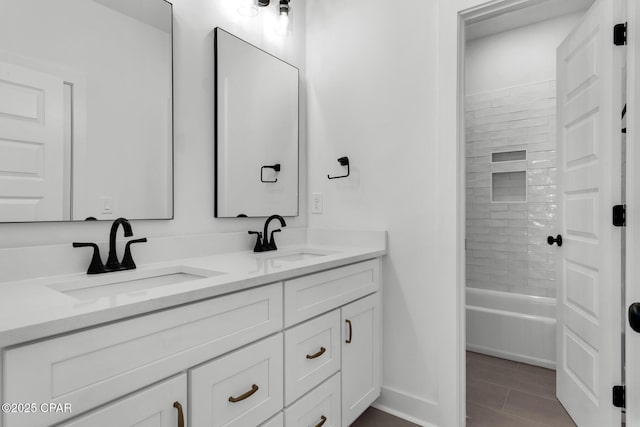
<point x="248" y="8"/>
<point x="283" y="18"/>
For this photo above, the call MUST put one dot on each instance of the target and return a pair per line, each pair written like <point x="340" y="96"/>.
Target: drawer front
<point x="241" y="389"/>
<point x="315" y="294"/>
<point x="311" y="354"/>
<point x="321" y="407"/>
<point x="152" y="407"/>
<point x="89" y="368"/>
<point x="277" y="421"/>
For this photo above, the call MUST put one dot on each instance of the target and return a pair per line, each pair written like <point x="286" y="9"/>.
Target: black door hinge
<point x="620" y="34"/>
<point x="619" y="396"/>
<point x="620" y="215"/>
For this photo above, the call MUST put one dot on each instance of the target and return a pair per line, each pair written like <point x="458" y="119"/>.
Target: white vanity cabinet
<point x="350" y="294"/>
<point x="274" y="355"/>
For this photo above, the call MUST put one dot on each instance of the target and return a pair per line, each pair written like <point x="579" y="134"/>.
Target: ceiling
<point x="510" y="18"/>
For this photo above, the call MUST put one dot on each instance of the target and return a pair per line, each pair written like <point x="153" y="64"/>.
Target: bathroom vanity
<point x="289" y="338"/>
<point x="285" y="337"/>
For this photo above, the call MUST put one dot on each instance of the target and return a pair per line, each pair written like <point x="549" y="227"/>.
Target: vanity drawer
<point x="321" y="407"/>
<point x="95" y="366"/>
<point x="311" y="354"/>
<point x="318" y="293"/>
<point x="241" y="389"/>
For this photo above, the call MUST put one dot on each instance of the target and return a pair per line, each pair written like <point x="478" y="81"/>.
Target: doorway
<point x="514" y="204"/>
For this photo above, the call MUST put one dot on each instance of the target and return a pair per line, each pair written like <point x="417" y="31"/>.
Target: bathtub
<point x="512" y="326"/>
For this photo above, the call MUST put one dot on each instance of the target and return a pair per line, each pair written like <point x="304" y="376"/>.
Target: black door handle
<point x="557" y="240"/>
<point x="634" y="316"/>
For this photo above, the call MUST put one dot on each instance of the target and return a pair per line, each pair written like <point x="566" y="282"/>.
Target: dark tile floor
<point x="374" y="418"/>
<point x="502" y="393"/>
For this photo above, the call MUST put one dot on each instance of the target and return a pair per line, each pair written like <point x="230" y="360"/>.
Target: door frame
<point x="632" y="269"/>
<point x="453" y="15"/>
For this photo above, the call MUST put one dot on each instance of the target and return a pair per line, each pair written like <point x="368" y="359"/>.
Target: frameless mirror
<point x="86" y="110"/>
<point x="256" y="131"/>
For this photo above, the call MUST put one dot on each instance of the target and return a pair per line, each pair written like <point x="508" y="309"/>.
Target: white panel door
<point x="31" y="145"/>
<point x="589" y="178"/>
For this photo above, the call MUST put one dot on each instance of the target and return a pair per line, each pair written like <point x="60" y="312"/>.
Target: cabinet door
<point x="155" y="406"/>
<point x="244" y="388"/>
<point x="360" y="356"/>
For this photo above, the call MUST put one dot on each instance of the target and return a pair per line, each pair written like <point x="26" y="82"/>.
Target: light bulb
<point x="248" y="8"/>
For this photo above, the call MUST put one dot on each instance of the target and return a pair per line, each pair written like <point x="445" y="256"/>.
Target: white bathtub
<point x="512" y="326"/>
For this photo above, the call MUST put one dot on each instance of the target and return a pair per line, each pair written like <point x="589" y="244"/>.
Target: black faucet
<point x="96" y="266"/>
<point x="112" y="260"/>
<point x="263" y="243"/>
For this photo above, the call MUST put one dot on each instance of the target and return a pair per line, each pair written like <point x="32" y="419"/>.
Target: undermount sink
<point x="129" y="282"/>
<point x="302" y="254"/>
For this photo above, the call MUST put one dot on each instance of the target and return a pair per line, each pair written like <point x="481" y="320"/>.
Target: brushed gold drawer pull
<point x="318" y="354"/>
<point x="178" y="406"/>
<point x="323" y="420"/>
<point x="244" y="396"/>
<point x="348" y="341"/>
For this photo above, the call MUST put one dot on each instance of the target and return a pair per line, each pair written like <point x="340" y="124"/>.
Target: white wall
<point x="517" y="57"/>
<point x="194" y="21"/>
<point x="372" y="89"/>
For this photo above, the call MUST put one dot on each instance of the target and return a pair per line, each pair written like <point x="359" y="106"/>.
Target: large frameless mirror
<point x="86" y="110"/>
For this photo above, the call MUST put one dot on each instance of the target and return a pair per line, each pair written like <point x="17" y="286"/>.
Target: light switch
<point x="316" y="203"/>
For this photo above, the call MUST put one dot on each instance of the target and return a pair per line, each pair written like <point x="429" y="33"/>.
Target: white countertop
<point x="38" y="308"/>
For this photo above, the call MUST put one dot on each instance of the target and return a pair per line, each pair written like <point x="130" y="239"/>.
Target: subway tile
<point x="516" y="118"/>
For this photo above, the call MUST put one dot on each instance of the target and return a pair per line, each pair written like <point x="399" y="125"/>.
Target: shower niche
<point x="509" y="176"/>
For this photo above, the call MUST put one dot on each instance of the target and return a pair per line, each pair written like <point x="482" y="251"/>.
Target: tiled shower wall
<point x="506" y="241"/>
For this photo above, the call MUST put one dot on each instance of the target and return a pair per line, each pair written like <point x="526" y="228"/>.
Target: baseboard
<point x="407" y="407"/>
<point x="549" y="364"/>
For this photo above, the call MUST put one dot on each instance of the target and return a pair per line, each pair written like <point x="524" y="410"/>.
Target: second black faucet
<point x="263" y="243"/>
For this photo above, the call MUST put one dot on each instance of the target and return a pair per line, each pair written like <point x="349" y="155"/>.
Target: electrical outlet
<point x="107" y="205"/>
<point x="316" y="203"/>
